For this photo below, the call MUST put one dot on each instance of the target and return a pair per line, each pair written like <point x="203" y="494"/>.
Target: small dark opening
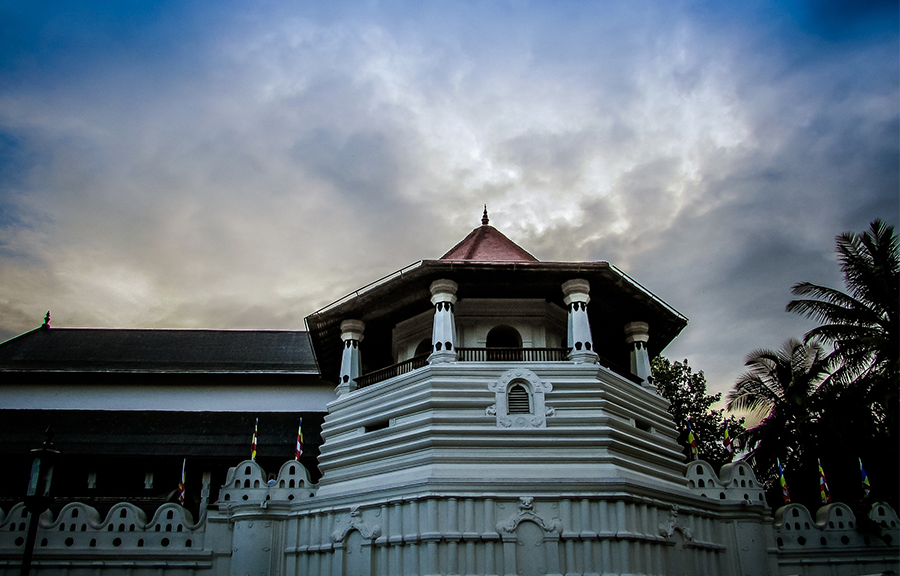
<point x="518" y="400"/>
<point x="380" y="425"/>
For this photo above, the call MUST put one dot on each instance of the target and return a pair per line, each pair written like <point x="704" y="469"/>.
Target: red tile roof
<point x="487" y="244"/>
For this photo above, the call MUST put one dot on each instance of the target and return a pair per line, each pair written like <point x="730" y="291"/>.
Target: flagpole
<point x="181" y="484"/>
<point x="824" y="494"/>
<point x="299" y="451"/>
<point x="867" y="488"/>
<point x="726" y="442"/>
<point x="253" y="442"/>
<point x="692" y="441"/>
<point x="785" y="493"/>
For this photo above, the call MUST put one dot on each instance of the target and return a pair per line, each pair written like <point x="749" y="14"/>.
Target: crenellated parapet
<point x="735" y="481"/>
<point x="246" y="483"/>
<point x="834" y="538"/>
<point x="80" y="538"/>
<point x="886" y="518"/>
<point x="835" y="525"/>
<point x="258" y="511"/>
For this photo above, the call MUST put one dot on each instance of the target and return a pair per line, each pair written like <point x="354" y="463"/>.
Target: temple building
<point x="484" y="413"/>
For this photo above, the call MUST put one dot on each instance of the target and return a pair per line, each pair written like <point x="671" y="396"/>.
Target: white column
<point x="443" y="334"/>
<point x="637" y="334"/>
<point x="351" y="366"/>
<point x="580" y="340"/>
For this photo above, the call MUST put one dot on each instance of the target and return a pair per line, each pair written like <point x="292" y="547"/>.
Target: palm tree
<point x="864" y="325"/>
<point x="787" y="389"/>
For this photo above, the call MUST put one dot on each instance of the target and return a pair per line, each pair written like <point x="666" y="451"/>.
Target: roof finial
<point x="46" y="324"/>
<point x="484" y="217"/>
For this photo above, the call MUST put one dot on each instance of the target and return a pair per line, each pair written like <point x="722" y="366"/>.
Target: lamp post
<point x="37" y="498"/>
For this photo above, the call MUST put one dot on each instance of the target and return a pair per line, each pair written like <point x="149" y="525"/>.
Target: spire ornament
<point x="484" y="217"/>
<point x="46" y="324"/>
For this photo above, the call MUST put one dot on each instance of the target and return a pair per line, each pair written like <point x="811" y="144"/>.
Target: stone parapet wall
<point x="835" y="542"/>
<point x="77" y="538"/>
<point x="607" y="529"/>
<point x="735" y="481"/>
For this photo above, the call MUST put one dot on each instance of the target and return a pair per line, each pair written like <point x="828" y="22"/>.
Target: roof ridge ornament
<point x="46" y="324"/>
<point x="484" y="217"/>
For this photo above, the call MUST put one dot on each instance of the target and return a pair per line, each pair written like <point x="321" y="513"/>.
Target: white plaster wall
<point x="408" y="334"/>
<point x="540" y="324"/>
<point x="434" y="427"/>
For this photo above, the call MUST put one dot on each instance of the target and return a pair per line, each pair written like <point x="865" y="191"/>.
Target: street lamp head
<point x="37" y="497"/>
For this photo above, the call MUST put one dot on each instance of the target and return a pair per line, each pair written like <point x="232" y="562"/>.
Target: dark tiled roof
<point x="119" y="350"/>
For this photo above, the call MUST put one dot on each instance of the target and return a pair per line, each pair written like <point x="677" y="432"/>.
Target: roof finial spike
<point x="46" y="324"/>
<point x="484" y="217"/>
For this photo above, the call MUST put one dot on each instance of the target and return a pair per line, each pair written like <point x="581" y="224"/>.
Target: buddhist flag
<point x="299" y="450"/>
<point x="867" y="488"/>
<point x="695" y="453"/>
<point x="253" y="442"/>
<point x="785" y="493"/>
<point x="726" y="442"/>
<point x="181" y="484"/>
<point x="823" y="485"/>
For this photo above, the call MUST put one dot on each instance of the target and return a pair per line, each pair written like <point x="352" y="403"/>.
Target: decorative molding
<point x="668" y="529"/>
<point x="526" y="512"/>
<point x="369" y="532"/>
<point x="537" y="389"/>
<point x="502" y="383"/>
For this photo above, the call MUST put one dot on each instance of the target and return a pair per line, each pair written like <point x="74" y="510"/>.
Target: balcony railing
<point x="392" y="370"/>
<point x="485" y="355"/>
<point x="512" y="354"/>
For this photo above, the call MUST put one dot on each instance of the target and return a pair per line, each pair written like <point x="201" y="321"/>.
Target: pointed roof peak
<point x="487" y="244"/>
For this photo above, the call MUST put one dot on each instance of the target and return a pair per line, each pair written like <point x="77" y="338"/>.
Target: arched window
<point x="504" y="337"/>
<point x="424" y="347"/>
<point x="519" y="396"/>
<point x="507" y="344"/>
<point x="518" y="400"/>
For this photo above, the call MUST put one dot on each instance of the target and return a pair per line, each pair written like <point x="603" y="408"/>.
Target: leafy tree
<point x="864" y="325"/>
<point x="788" y="389"/>
<point x="860" y="417"/>
<point x="686" y="392"/>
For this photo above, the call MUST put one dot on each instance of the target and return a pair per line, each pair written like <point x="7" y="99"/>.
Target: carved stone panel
<point x="538" y="412"/>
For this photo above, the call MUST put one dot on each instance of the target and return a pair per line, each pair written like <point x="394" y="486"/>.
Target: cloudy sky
<point x="241" y="164"/>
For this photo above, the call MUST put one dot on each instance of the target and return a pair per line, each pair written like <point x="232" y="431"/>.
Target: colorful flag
<point x="253" y="443"/>
<point x="181" y="484"/>
<point x="299" y="450"/>
<point x="823" y="485"/>
<point x="695" y="453"/>
<point x="786" y="494"/>
<point x="728" y="447"/>
<point x="867" y="488"/>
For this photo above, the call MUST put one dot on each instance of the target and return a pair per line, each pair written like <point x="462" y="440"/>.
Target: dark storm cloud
<point x="242" y="166"/>
<point x="846" y="19"/>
